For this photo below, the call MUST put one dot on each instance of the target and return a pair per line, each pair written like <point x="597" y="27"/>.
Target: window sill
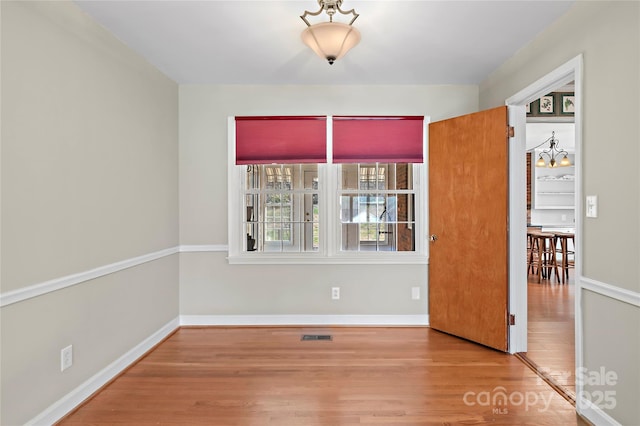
<point x="318" y="259"/>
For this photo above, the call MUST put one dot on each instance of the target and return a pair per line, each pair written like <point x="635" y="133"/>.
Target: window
<point x="350" y="205"/>
<point x="376" y="207"/>
<point x="281" y="207"/>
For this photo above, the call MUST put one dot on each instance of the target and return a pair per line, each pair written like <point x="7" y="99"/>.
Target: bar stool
<point x="562" y="240"/>
<point x="533" y="250"/>
<point x="545" y="244"/>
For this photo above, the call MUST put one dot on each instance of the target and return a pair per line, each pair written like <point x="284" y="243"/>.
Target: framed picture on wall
<point x="568" y="105"/>
<point x="528" y="108"/>
<point x="546" y="105"/>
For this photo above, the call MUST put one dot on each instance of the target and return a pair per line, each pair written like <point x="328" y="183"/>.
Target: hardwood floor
<point x="551" y="330"/>
<point x="364" y="376"/>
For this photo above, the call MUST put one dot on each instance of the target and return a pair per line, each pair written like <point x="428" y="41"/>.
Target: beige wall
<point x="607" y="33"/>
<point x="89" y="178"/>
<point x="208" y="284"/>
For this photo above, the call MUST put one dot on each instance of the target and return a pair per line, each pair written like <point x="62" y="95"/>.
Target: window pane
<point x="290" y="239"/>
<point x="252" y="178"/>
<point x="311" y="222"/>
<point x="310" y="172"/>
<point x="350" y="237"/>
<point x="272" y="232"/>
<point x="350" y="177"/>
<point x="388" y="208"/>
<point x="249" y="202"/>
<point x="279" y="202"/>
<point x="404" y="176"/>
<point x="285" y="231"/>
<point x="406" y="236"/>
<point x="368" y="232"/>
<point x="368" y="177"/>
<point x="347" y="205"/>
<point x="369" y="208"/>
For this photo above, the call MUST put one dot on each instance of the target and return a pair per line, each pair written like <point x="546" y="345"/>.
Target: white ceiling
<point x="258" y="42"/>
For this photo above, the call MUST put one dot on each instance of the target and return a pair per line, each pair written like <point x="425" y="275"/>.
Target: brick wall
<point x="405" y="234"/>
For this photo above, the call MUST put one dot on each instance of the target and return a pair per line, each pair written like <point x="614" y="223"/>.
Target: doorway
<point x="551" y="224"/>
<point x="571" y="71"/>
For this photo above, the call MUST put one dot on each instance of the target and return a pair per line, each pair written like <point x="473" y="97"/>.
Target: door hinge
<point x="511" y="132"/>
<point x="512" y="319"/>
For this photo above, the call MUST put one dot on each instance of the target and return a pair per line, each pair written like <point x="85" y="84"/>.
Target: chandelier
<point x="552" y="153"/>
<point x="330" y="40"/>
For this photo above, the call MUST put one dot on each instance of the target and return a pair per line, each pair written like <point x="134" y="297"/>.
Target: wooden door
<point x="468" y="262"/>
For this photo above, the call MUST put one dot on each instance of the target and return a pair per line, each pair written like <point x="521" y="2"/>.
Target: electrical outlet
<point x="66" y="357"/>
<point x="335" y="293"/>
<point x="415" y="293"/>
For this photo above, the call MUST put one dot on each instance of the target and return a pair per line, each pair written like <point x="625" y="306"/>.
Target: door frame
<point x="569" y="71"/>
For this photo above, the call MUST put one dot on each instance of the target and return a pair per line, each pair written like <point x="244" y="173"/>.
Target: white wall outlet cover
<point x="335" y="293"/>
<point x="66" y="357"/>
<point x="415" y="293"/>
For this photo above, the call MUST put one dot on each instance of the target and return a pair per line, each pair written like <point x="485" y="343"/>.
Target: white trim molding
<point x="74" y="398"/>
<point x="312" y="259"/>
<point x="204" y="248"/>
<point x="593" y="413"/>
<point x="304" y="320"/>
<point x="617" y="293"/>
<point x="36" y="290"/>
<point x="15" y="296"/>
<point x="43" y="288"/>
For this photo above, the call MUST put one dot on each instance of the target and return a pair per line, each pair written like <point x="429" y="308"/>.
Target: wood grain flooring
<point x="551" y="331"/>
<point x="364" y="376"/>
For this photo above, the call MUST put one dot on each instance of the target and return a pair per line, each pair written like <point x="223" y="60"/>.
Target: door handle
<point x="433" y="238"/>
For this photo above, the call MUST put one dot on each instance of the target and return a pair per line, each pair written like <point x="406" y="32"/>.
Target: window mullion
<point x="331" y="231"/>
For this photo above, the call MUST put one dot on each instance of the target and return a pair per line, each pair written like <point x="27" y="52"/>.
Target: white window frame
<point x="329" y="251"/>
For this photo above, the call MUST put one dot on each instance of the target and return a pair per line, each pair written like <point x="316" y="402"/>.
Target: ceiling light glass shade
<point x="540" y="162"/>
<point x="331" y="40"/>
<point x="565" y="161"/>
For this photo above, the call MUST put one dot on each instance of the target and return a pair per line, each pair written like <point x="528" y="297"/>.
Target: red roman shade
<point x="378" y="139"/>
<point x="266" y="140"/>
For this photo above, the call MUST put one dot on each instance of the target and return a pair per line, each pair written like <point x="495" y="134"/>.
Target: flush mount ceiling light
<point x="330" y="40"/>
<point x="552" y="153"/>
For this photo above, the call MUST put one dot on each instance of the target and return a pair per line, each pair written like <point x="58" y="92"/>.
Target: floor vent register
<point x="316" y="337"/>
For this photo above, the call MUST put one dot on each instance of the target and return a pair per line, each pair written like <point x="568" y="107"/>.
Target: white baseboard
<point x="380" y="320"/>
<point x="70" y="401"/>
<point x="594" y="414"/>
